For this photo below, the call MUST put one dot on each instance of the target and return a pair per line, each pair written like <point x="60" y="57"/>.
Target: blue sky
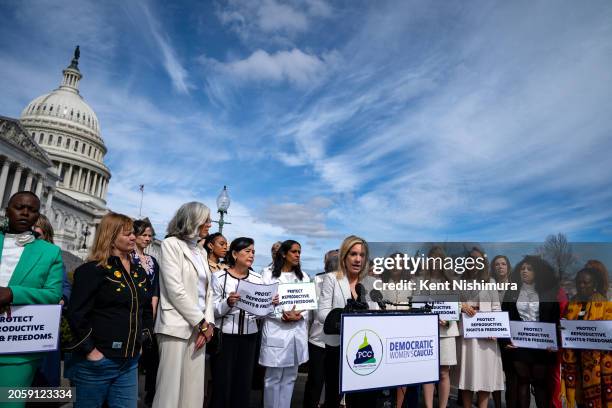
<point x="394" y="120"/>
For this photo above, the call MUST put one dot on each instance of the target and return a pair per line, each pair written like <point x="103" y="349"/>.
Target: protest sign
<point x="256" y="298"/>
<point x="32" y="328"/>
<point x="534" y="335"/>
<point x="586" y="334"/>
<point x="486" y="324"/>
<point x="445" y="310"/>
<point x="302" y="295"/>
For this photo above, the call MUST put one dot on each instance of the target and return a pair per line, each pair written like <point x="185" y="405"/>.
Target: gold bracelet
<point x="203" y="327"/>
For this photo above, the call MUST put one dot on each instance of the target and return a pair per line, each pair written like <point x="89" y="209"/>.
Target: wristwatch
<point x="203" y="326"/>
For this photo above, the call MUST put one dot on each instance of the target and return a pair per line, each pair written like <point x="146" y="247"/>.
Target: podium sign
<point x="388" y="350"/>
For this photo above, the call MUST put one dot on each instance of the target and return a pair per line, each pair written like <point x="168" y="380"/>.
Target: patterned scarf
<point x="145" y="261"/>
<point x="587" y="374"/>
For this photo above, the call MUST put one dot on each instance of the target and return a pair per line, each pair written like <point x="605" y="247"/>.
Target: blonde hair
<point x="111" y="225"/>
<point x="45" y="225"/>
<point x="345" y="248"/>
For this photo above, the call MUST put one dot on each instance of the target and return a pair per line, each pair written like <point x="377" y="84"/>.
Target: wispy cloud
<point x="294" y="66"/>
<point x="271" y="21"/>
<point x="275" y="16"/>
<point x="467" y="129"/>
<point x="304" y="220"/>
<point x="177" y="73"/>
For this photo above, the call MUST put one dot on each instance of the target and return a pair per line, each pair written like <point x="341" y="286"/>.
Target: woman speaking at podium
<point x="349" y="282"/>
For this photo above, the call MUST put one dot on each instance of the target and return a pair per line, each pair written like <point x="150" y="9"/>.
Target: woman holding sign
<point x="232" y="366"/>
<point x="479" y="367"/>
<point x="501" y="269"/>
<point x="30" y="273"/>
<point x="284" y="344"/>
<point x="587" y="374"/>
<point x="534" y="301"/>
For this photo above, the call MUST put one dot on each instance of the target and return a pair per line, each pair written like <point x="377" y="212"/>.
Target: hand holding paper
<point x="255" y="298"/>
<point x="232" y="299"/>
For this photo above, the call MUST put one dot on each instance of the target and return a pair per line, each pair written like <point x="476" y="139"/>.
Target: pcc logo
<point x="364" y="352"/>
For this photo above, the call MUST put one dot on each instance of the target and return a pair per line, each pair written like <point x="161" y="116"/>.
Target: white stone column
<point x="68" y="176"/>
<point x="87" y="189"/>
<point x="99" y="187"/>
<point x="94" y="185"/>
<point x="39" y="185"/>
<point x="28" y="183"/>
<point x="92" y="234"/>
<point x="78" y="184"/>
<point x="16" y="180"/>
<point x="104" y="188"/>
<point x="49" y="202"/>
<point x="3" y="176"/>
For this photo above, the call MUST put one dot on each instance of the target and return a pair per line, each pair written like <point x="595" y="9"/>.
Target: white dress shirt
<point x="11" y="253"/>
<point x="235" y="321"/>
<point x="528" y="303"/>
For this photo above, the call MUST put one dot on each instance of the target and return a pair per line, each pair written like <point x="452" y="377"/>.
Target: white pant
<point x="180" y="376"/>
<point x="278" y="386"/>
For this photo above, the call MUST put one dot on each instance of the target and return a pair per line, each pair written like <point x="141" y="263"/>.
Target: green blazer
<point x="37" y="279"/>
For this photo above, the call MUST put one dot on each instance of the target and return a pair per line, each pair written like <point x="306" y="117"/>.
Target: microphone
<point x="376" y="296"/>
<point x="360" y="292"/>
<point x="358" y="304"/>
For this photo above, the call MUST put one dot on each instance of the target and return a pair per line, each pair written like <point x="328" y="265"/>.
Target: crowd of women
<point x="177" y="317"/>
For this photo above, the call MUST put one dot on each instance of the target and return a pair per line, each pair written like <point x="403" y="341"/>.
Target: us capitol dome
<point x="56" y="150"/>
<point x="68" y="129"/>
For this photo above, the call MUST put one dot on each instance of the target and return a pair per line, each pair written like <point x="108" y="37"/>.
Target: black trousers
<point x="150" y="362"/>
<point x="366" y="399"/>
<point x="316" y="376"/>
<point x="233" y="371"/>
<point x="332" y="374"/>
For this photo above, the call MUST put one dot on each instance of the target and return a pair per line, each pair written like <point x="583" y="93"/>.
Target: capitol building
<point x="56" y="150"/>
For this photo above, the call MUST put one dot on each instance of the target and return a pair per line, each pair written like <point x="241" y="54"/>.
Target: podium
<point x="386" y="350"/>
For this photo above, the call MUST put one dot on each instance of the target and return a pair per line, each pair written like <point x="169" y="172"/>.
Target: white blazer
<point x="179" y="313"/>
<point x="284" y="344"/>
<point x="334" y="294"/>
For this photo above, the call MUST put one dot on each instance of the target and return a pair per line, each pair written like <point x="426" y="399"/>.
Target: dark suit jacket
<point x="549" y="312"/>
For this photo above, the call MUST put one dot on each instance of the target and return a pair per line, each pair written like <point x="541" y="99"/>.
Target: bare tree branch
<point x="558" y="251"/>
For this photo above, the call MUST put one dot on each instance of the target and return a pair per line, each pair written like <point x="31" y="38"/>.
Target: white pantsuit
<point x="278" y="386"/>
<point x="185" y="299"/>
<point x="178" y="356"/>
<point x="284" y="346"/>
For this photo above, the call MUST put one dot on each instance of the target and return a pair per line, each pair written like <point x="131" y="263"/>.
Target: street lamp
<point x="85" y="234"/>
<point x="223" y="203"/>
